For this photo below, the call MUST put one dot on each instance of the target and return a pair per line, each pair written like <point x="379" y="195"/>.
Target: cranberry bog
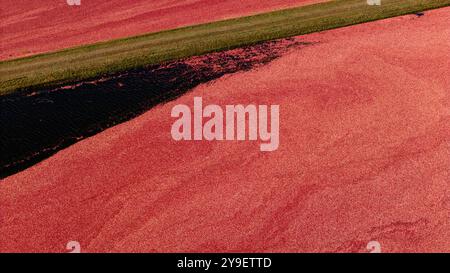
<point x="33" y="27"/>
<point x="364" y="137"/>
<point x="364" y="155"/>
<point x="147" y="71"/>
<point x="91" y="61"/>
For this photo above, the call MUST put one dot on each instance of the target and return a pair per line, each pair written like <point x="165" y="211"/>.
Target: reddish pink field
<point x="29" y="27"/>
<point x="364" y="155"/>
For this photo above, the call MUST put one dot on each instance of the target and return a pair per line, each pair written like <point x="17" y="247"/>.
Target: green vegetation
<point x="89" y="61"/>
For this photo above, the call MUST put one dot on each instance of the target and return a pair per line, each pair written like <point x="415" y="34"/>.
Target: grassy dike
<point x="90" y="61"/>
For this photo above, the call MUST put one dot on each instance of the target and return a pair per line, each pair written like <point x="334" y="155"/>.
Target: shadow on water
<point x="35" y="124"/>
